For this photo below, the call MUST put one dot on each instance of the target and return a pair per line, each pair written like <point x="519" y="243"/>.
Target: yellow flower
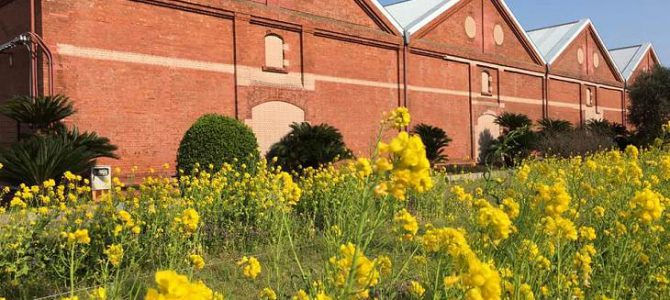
<point x="385" y="265"/>
<point x="409" y="167"/>
<point x="363" y="167"/>
<point x="582" y="262"/>
<point x="17" y="202"/>
<point x="114" y="254"/>
<point x="80" y="236"/>
<point x="126" y="218"/>
<point x="446" y="240"/>
<point x="587" y="233"/>
<point x="399" y="118"/>
<point x="267" y="294"/>
<point x="98" y="294"/>
<point x="511" y="208"/>
<point x="483" y="280"/>
<point x="197" y="261"/>
<point x="560" y="227"/>
<point x="172" y="285"/>
<point x="526" y="292"/>
<point x="632" y="151"/>
<point x="416" y="290"/>
<point x="648" y="206"/>
<point x="322" y="296"/>
<point x="405" y="225"/>
<point x="190" y="219"/>
<point x="495" y="223"/>
<point x="300" y="295"/>
<point x="251" y="267"/>
<point x="365" y="274"/>
<point x="555" y="198"/>
<point x="599" y="211"/>
<point x="450" y="281"/>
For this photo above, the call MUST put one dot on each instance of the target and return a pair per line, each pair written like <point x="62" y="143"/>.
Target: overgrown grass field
<point x="386" y="227"/>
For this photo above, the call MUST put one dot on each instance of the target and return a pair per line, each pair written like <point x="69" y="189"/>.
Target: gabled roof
<point x="552" y="41"/>
<point x="387" y="15"/>
<point x="412" y="15"/>
<point x="627" y="59"/>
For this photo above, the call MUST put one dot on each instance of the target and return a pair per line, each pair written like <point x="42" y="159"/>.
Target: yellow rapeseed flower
<point x="172" y="285"/>
<point x="197" y="261"/>
<point x="267" y="294"/>
<point x="648" y="205"/>
<point x="365" y="274"/>
<point x="405" y="225"/>
<point x="114" y="254"/>
<point x="416" y="290"/>
<point x="251" y="267"/>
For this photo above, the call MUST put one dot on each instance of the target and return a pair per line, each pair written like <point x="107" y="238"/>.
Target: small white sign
<point x="101" y="178"/>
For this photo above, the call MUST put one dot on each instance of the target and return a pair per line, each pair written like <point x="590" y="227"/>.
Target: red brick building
<point x="142" y="71"/>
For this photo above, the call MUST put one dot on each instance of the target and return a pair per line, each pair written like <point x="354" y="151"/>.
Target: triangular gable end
<point x="628" y="59"/>
<point x="456" y="16"/>
<point x="556" y="41"/>
<point x="605" y="54"/>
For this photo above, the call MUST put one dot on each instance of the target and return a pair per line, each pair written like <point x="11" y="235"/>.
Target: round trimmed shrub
<point x="215" y="140"/>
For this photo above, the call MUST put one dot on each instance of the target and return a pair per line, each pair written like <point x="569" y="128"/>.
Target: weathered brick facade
<point x="141" y="72"/>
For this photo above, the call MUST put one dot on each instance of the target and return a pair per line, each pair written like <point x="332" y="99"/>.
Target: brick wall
<point x="142" y="72"/>
<point x="14" y="64"/>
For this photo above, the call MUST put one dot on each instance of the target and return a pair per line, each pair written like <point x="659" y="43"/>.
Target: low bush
<point x="308" y="146"/>
<point x="214" y="140"/>
<point x="578" y="142"/>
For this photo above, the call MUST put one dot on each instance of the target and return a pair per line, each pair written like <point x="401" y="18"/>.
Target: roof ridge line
<point x="403" y="1"/>
<point x="626" y="47"/>
<point x="553" y="26"/>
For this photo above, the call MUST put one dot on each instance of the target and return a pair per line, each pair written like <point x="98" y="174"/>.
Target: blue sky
<point x="619" y="22"/>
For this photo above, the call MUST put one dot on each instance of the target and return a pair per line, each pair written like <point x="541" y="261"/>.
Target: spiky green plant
<point x="44" y="114"/>
<point x="436" y="140"/>
<point x="549" y="126"/>
<point x="43" y="157"/>
<point x="309" y="146"/>
<point x="512" y="121"/>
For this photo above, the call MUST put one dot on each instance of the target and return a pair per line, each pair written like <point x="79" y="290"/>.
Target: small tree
<point x="650" y="104"/>
<point x="309" y="146"/>
<point x="435" y="139"/>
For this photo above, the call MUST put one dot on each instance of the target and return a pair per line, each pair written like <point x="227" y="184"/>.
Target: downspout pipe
<point x="405" y="67"/>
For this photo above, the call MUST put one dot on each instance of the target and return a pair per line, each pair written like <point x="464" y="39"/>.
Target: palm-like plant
<point x="309" y="146"/>
<point x="51" y="149"/>
<point x="44" y="114"/>
<point x="43" y="157"/>
<point x="549" y="126"/>
<point x="512" y="121"/>
<point x="435" y="139"/>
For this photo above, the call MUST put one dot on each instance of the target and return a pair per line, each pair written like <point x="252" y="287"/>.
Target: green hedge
<point x="215" y="139"/>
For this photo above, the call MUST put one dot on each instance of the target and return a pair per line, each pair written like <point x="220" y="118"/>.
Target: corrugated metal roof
<point x="628" y="58"/>
<point x="552" y="41"/>
<point x="387" y="15"/>
<point x="414" y="14"/>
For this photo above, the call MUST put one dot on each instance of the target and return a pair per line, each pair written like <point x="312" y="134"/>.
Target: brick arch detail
<point x="485" y="131"/>
<point x="271" y="120"/>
